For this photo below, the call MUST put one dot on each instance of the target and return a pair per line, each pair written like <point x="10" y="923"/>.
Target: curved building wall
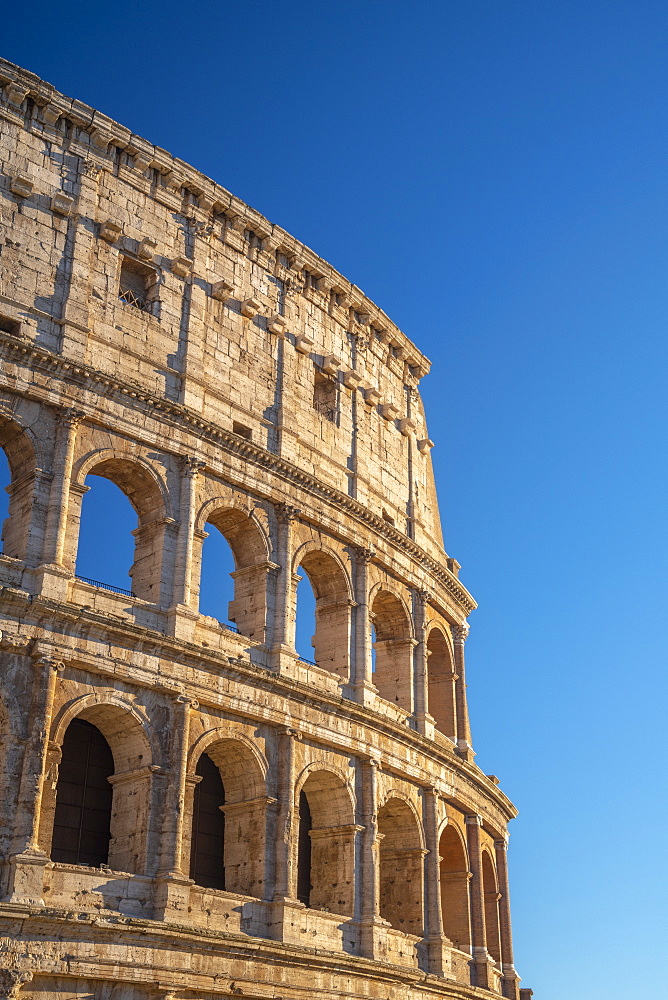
<point x="157" y="332"/>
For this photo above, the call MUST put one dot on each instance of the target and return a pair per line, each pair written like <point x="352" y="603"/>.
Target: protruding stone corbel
<point x="351" y="379"/>
<point x="425" y="445"/>
<point x="303" y="344"/>
<point x="21" y="186"/>
<point x="147" y="248"/>
<point x="388" y="411"/>
<point x="221" y="290"/>
<point x="99" y="140"/>
<point x="250" y="307"/>
<point x="371" y="396"/>
<point x="331" y="364"/>
<point x="61" y="203"/>
<point x="50" y="114"/>
<point x="182" y="266"/>
<point x="141" y="162"/>
<point x="110" y="231"/>
<point x="406" y="426"/>
<point x="278" y="325"/>
<point x="16" y="94"/>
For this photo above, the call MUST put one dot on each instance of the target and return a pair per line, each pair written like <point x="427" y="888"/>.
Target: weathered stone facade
<point x="156" y="331"/>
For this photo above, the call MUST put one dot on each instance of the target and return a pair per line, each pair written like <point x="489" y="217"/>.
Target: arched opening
<point x="305" y="618"/>
<point x="326" y="844"/>
<point x="104" y="535"/>
<point x="455" y="889"/>
<point x="233" y="850"/>
<point x="441" y="684"/>
<point x="5" y="487"/>
<point x="245" y="602"/>
<point x="106" y="544"/>
<point x="401" y="867"/>
<point x="216" y="579"/>
<point x="393" y="645"/>
<point x="207" y="855"/>
<point x="82" y="821"/>
<point x="328" y="609"/>
<point x="304" y="884"/>
<point x="124" y="779"/>
<point x="491" y="893"/>
<point x="17" y="477"/>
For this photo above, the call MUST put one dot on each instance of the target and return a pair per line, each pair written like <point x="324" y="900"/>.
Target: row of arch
<point x="328" y="622"/>
<point x="102" y="810"/>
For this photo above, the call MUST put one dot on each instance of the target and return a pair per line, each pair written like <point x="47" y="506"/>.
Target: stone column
<point x="53" y="574"/>
<point x="363" y="688"/>
<point x="283" y="624"/>
<point x="510" y="979"/>
<point x="26" y="878"/>
<point x="438" y="947"/>
<point x="172" y="883"/>
<point x="372" y="926"/>
<point x="464" y="748"/>
<point x="483" y="963"/>
<point x="285" y="888"/>
<point x="182" y="615"/>
<point x="424" y="722"/>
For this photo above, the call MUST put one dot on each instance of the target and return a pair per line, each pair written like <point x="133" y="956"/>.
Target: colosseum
<point x="189" y="808"/>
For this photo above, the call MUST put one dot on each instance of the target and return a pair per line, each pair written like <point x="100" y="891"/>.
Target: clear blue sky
<point x="489" y="172"/>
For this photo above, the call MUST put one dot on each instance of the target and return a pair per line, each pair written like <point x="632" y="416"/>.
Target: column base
<point x="510" y="984"/>
<point x="181" y="622"/>
<point x="465" y="751"/>
<point x="26" y="878"/>
<point x="171" y="897"/>
<point x="438" y="951"/>
<point x="373" y="938"/>
<point x="364" y="693"/>
<point x="425" y="725"/>
<point x="283" y="925"/>
<point x="485" y="975"/>
<point x="284" y="660"/>
<point x="52" y="581"/>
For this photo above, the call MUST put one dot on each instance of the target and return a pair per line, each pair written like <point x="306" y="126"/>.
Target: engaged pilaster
<point x="438" y="946"/>
<point x="464" y="748"/>
<point x="182" y="615"/>
<point x="373" y="929"/>
<point x="424" y="722"/>
<point x="283" y="642"/>
<point x="363" y="689"/>
<point x="53" y="574"/>
<point x="28" y="860"/>
<point x="510" y="979"/>
<point x="483" y="963"/>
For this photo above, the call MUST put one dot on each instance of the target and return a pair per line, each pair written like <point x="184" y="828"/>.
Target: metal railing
<point x="132" y="299"/>
<point x="106" y="586"/>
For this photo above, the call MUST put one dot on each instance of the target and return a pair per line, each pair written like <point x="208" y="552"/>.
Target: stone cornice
<point x="99" y="137"/>
<point x="85" y="377"/>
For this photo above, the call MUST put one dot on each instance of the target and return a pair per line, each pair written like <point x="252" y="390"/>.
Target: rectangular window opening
<point x="11" y="326"/>
<point x="138" y="285"/>
<point x="242" y="430"/>
<point x="325" y="396"/>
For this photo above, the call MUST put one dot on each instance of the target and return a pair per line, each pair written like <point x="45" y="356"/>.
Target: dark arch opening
<point x="82" y="822"/>
<point x="304" y="851"/>
<point x="207" y="856"/>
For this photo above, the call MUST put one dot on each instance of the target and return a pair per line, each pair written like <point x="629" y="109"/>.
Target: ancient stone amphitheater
<point x="189" y="809"/>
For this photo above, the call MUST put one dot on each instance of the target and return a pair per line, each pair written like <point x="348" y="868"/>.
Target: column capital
<point x="372" y="762"/>
<point x="48" y="662"/>
<point x="11" y="983"/>
<point x="363" y="556"/>
<point x="501" y="843"/>
<point x="460" y="633"/>
<point x="70" y="417"/>
<point x="191" y="467"/>
<point x="296" y="734"/>
<point x="286" y="513"/>
<point x="423" y="596"/>
<point x="187" y="701"/>
<point x="473" y="819"/>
